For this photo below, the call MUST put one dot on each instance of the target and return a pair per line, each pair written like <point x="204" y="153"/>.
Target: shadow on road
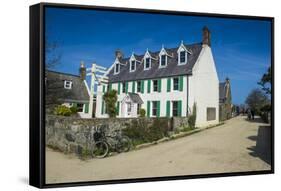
<point x="263" y="144"/>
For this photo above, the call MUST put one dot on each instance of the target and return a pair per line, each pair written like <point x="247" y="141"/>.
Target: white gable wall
<point x="204" y="87"/>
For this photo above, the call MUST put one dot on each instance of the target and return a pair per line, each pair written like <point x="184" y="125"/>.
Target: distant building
<point x="165" y="83"/>
<point x="69" y="90"/>
<point x="225" y="100"/>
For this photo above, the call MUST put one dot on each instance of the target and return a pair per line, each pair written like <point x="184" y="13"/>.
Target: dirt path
<point x="238" y="145"/>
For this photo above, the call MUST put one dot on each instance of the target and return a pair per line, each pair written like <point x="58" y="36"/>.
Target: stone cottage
<point x="69" y="90"/>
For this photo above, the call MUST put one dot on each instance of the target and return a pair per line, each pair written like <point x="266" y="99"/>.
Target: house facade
<point x="69" y="90"/>
<point x="225" y="101"/>
<point x="165" y="83"/>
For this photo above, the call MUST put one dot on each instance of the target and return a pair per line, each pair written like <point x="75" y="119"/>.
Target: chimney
<point x="227" y="80"/>
<point x="82" y="71"/>
<point x="206" y="36"/>
<point x="118" y="54"/>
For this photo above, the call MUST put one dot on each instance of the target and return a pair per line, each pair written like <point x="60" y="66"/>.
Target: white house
<point x="165" y="83"/>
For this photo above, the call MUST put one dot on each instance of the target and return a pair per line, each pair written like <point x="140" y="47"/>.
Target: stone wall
<point x="179" y="122"/>
<point x="75" y="135"/>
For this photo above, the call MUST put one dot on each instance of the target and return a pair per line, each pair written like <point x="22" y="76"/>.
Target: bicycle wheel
<point x="124" y="144"/>
<point x="100" y="149"/>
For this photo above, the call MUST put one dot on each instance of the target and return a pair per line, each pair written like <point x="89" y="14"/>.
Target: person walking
<point x="253" y="114"/>
<point x="249" y="113"/>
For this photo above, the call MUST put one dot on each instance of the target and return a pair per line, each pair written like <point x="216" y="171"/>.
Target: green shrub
<point x="192" y="117"/>
<point x="141" y="132"/>
<point x="157" y="130"/>
<point x="142" y="112"/>
<point x="74" y="109"/>
<point x="62" y="110"/>
<point x="110" y="99"/>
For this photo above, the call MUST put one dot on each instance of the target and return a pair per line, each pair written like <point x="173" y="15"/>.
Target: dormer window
<point x="147" y="63"/>
<point x="132" y="65"/>
<point x="182" y="57"/>
<point x="182" y="54"/>
<point x="68" y="84"/>
<point x="163" y="60"/>
<point x="117" y="68"/>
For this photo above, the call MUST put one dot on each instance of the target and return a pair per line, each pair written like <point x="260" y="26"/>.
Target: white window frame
<point x="181" y="49"/>
<point x="146" y="56"/>
<point x="156" y="84"/>
<point x="67" y="84"/>
<point x="160" y="61"/>
<point x="117" y="72"/>
<point x="131" y="62"/>
<point x="177" y="102"/>
<point x="174" y="83"/>
<point x="185" y="56"/>
<point x="145" y="59"/>
<point x="152" y="103"/>
<point x="163" y="53"/>
<point x="138" y="86"/>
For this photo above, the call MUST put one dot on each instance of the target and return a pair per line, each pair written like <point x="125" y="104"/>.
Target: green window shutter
<point x="103" y="88"/>
<point x="133" y="88"/>
<point x="168" y="84"/>
<point x="127" y="85"/>
<point x="119" y="88"/>
<point x="117" y="108"/>
<point x="86" y="108"/>
<point x="109" y="87"/>
<point x="148" y="86"/>
<point x="142" y="86"/>
<point x="148" y="109"/>
<point x="179" y="108"/>
<point x="181" y="83"/>
<point x="158" y="109"/>
<point x="102" y="107"/>
<point x="159" y="85"/>
<point x="168" y="109"/>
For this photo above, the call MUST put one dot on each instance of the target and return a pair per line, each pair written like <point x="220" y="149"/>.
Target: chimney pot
<point x="206" y="36"/>
<point x="118" y="53"/>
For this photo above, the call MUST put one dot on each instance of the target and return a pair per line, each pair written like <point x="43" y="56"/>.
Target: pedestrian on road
<point x="253" y="114"/>
<point x="249" y="114"/>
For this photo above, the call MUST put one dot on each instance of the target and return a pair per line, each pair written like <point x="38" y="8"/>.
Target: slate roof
<point x="222" y="90"/>
<point x="55" y="86"/>
<point x="172" y="69"/>
<point x="135" y="98"/>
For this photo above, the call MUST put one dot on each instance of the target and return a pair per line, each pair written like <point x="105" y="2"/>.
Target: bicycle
<point x="103" y="143"/>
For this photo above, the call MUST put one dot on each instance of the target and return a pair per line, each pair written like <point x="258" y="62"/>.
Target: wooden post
<point x="92" y="89"/>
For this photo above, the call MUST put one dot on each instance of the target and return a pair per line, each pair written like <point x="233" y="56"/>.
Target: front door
<point x="129" y="109"/>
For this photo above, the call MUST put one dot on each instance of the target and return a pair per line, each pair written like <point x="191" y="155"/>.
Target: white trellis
<point x="98" y="76"/>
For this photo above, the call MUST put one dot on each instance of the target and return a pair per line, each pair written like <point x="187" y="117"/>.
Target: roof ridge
<point x="166" y="48"/>
<point x="64" y="73"/>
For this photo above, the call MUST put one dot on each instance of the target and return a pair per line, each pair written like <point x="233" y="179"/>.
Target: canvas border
<point x="37" y="95"/>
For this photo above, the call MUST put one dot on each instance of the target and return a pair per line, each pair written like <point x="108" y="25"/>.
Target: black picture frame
<point x="37" y="95"/>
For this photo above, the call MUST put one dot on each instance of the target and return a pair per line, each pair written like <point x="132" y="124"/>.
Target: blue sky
<point x="241" y="48"/>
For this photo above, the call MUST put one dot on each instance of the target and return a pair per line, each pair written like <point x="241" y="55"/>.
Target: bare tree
<point x="52" y="84"/>
<point x="53" y="56"/>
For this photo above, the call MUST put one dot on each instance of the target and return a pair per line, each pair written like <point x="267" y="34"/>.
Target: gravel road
<point x="236" y="146"/>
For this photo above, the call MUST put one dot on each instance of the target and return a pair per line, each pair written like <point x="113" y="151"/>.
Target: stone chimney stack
<point x="227" y="80"/>
<point x="118" y="54"/>
<point x="206" y="40"/>
<point x="82" y="71"/>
